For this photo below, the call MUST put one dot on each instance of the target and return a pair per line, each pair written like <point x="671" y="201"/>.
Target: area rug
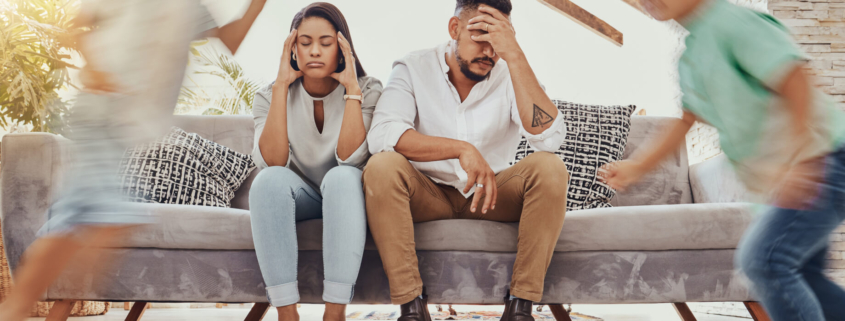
<point x="474" y="315"/>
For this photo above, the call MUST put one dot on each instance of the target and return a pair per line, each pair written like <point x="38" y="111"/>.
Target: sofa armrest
<point x="30" y="172"/>
<point x="715" y="181"/>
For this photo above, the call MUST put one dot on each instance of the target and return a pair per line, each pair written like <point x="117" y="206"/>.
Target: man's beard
<point x="465" y="66"/>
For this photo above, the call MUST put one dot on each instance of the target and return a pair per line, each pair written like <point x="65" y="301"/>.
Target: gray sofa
<point x="670" y="238"/>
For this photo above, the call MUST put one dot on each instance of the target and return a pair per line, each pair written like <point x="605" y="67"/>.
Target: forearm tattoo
<point x="541" y="117"/>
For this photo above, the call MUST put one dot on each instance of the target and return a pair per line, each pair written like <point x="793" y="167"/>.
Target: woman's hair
<point x="332" y="14"/>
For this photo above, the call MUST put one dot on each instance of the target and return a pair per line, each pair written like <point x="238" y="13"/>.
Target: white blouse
<point x="313" y="154"/>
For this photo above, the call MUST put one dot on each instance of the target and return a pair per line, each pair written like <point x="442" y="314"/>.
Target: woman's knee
<point x="271" y="185"/>
<point x="343" y="194"/>
<point x="343" y="175"/>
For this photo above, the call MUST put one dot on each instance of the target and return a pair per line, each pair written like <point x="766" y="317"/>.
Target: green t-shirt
<point x="734" y="59"/>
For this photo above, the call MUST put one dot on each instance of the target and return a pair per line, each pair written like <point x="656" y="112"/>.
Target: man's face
<point x="664" y="10"/>
<point x="475" y="58"/>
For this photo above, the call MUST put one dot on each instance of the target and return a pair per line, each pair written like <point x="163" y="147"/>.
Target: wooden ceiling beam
<point x="587" y="19"/>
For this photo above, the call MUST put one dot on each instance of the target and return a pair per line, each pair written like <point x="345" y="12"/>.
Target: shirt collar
<point x="698" y="13"/>
<point x="441" y="55"/>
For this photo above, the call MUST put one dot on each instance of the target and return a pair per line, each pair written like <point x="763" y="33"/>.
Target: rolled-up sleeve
<point x="547" y="141"/>
<point x="395" y="112"/>
<point x="371" y="89"/>
<point x="260" y="109"/>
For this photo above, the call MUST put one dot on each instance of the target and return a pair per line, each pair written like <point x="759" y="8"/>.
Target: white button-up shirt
<point x="420" y="96"/>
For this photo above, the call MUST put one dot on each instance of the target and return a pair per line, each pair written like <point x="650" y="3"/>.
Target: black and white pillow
<point x="183" y="168"/>
<point x="595" y="136"/>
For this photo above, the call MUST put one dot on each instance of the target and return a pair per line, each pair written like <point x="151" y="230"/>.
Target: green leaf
<point x="31" y="58"/>
<point x="235" y="100"/>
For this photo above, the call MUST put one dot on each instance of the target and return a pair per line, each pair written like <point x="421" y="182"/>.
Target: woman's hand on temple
<point x="349" y="76"/>
<point x="287" y="75"/>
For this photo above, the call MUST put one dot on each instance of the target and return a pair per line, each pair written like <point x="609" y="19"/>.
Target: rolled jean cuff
<point x="283" y="294"/>
<point x="338" y="293"/>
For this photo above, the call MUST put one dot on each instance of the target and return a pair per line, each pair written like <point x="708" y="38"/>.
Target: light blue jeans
<point x="278" y="199"/>
<point x="784" y="253"/>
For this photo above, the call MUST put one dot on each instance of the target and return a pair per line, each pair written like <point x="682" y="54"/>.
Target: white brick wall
<point x="819" y="26"/>
<point x="702" y="143"/>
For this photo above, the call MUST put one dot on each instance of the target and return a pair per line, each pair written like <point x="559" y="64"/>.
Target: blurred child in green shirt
<point x="742" y="74"/>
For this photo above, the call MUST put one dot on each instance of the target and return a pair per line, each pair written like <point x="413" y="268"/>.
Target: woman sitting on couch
<point x="310" y="139"/>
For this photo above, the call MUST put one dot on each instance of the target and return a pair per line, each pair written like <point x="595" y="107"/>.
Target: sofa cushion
<point x="183" y="168"/>
<point x="595" y="136"/>
<point x="636" y="228"/>
<point x="191" y="227"/>
<point x="233" y="131"/>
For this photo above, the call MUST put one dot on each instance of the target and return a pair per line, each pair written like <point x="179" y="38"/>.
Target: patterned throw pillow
<point x="183" y="168"/>
<point x="595" y="136"/>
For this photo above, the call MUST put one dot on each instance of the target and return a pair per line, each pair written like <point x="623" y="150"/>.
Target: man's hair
<point x="502" y="5"/>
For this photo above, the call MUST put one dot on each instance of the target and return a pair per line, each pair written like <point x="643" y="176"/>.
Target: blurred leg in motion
<point x="136" y="59"/>
<point x="136" y="53"/>
<point x="45" y="260"/>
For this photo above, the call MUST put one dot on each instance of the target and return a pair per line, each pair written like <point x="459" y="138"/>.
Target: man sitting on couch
<point x="457" y="112"/>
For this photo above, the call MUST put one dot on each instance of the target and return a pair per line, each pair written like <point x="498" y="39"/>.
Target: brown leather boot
<point x="517" y="310"/>
<point x="416" y="310"/>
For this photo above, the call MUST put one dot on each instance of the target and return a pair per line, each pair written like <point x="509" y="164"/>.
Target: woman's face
<point x="316" y="48"/>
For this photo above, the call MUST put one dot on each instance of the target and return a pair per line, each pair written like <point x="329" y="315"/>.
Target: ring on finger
<point x="486" y="25"/>
<point x="480" y="185"/>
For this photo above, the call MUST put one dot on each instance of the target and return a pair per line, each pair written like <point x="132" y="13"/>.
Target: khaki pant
<point x="532" y="192"/>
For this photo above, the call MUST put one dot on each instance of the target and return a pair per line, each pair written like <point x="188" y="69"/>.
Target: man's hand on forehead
<point x="497" y="30"/>
<point x="495" y="13"/>
<point x="488" y="11"/>
<point x="468" y="14"/>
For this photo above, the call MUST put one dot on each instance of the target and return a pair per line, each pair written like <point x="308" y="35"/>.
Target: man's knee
<point x="384" y="165"/>
<point x="547" y="165"/>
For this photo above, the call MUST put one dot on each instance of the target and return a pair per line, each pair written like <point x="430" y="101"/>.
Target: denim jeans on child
<point x="784" y="253"/>
<point x="279" y="198"/>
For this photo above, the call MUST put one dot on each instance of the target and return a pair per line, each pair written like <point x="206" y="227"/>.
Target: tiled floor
<point x="308" y="312"/>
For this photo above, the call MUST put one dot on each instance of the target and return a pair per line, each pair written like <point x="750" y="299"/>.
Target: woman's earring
<point x="294" y="56"/>
<point x="341" y="60"/>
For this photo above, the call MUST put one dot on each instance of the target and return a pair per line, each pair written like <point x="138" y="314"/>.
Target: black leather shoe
<point x="507" y="306"/>
<point x="416" y="310"/>
<point x="517" y="310"/>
